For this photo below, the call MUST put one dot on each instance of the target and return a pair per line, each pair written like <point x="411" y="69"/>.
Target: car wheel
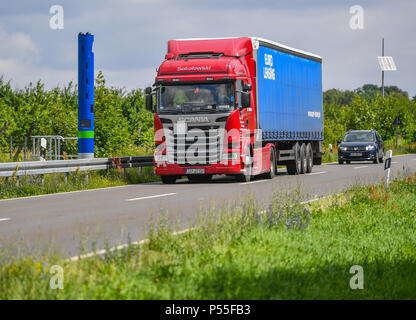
<point x="340" y="162"/>
<point x="348" y="161"/>
<point x="375" y="161"/>
<point x="381" y="160"/>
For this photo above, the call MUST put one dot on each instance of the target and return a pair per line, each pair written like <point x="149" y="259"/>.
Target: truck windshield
<point x="197" y="98"/>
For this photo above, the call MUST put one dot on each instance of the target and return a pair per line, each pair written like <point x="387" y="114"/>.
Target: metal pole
<point x="11" y="147"/>
<point x="34" y="148"/>
<point x="382" y="72"/>
<point x="25" y="149"/>
<point x="50" y="148"/>
<point x="397" y="135"/>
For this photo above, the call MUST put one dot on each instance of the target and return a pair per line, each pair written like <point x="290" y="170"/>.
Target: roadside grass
<point x="247" y="251"/>
<point x="403" y="146"/>
<point x="24" y="186"/>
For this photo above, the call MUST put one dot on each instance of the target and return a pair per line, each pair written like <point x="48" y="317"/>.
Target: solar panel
<point x="386" y="63"/>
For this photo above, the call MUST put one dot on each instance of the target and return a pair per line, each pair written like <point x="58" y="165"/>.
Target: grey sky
<point x="131" y="36"/>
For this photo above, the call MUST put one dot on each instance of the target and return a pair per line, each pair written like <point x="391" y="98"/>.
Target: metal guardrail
<point x="28" y="168"/>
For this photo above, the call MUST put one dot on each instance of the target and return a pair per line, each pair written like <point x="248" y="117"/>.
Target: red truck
<point x="236" y="106"/>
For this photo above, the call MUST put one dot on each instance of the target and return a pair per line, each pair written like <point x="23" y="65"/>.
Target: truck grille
<point x="198" y="147"/>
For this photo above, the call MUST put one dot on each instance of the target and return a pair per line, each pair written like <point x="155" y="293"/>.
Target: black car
<point x="361" y="145"/>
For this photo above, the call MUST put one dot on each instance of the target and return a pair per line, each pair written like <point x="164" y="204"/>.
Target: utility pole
<point x="386" y="64"/>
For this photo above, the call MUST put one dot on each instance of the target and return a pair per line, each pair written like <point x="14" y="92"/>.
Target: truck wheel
<point x="248" y="165"/>
<point x="294" y="166"/>
<point x="168" y="179"/>
<point x="303" y="160"/>
<point x="309" y="158"/>
<point x="200" y="178"/>
<point x="272" y="172"/>
<point x="317" y="161"/>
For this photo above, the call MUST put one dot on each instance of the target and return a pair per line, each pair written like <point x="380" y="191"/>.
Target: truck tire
<point x="168" y="179"/>
<point x="247" y="175"/>
<point x="294" y="166"/>
<point x="303" y="159"/>
<point x="200" y="177"/>
<point x="317" y="161"/>
<point x="309" y="158"/>
<point x="271" y="174"/>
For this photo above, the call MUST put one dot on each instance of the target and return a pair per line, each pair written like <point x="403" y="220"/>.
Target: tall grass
<point x="248" y="251"/>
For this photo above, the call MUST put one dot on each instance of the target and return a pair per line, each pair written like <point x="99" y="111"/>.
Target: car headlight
<point x="343" y="148"/>
<point x="369" y="148"/>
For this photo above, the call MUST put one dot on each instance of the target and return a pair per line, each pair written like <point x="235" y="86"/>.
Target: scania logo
<point x="194" y="119"/>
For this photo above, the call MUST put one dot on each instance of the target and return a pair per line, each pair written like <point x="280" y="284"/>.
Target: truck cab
<point x="204" y="101"/>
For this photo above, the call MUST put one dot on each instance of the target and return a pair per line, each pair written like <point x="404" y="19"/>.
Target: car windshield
<point x="197" y="98"/>
<point x="359" y="137"/>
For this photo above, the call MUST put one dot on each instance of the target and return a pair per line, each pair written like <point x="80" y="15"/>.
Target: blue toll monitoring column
<point x="85" y="96"/>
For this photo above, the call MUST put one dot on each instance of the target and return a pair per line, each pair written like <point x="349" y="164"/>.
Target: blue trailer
<point x="289" y="101"/>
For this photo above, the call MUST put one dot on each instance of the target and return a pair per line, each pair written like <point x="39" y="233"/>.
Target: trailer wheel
<point x="303" y="159"/>
<point x="309" y="158"/>
<point x="247" y="175"/>
<point x="272" y="172"/>
<point x="169" y="179"/>
<point x="294" y="166"/>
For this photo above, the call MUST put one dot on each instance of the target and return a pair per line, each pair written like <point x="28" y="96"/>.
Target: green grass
<point x="53" y="183"/>
<point x="245" y="251"/>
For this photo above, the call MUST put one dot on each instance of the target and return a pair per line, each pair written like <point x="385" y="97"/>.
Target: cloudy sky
<point x="131" y="36"/>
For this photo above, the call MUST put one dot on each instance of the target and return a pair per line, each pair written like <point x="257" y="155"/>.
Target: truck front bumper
<point x="223" y="167"/>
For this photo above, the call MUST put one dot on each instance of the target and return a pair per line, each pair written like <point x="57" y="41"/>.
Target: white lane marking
<point x="151" y="197"/>
<point x="361" y="167"/>
<point x="63" y="193"/>
<point x="4" y="219"/>
<point x="314" y="173"/>
<point x="251" y="182"/>
<point x="120" y="247"/>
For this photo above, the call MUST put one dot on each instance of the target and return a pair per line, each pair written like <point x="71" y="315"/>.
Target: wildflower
<point x="21" y="238"/>
<point x="69" y="253"/>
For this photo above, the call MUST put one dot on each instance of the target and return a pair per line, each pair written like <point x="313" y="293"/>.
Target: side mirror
<point x="149" y="102"/>
<point x="247" y="87"/>
<point x="338" y="141"/>
<point x="245" y="100"/>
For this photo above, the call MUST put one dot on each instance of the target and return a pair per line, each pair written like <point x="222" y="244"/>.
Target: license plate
<point x="195" y="171"/>
<point x="356" y="154"/>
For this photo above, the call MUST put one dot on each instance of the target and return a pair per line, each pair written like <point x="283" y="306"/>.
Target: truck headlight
<point x="161" y="158"/>
<point x="231" y="156"/>
<point x="369" y="148"/>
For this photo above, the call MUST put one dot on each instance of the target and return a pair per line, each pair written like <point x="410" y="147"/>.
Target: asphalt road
<point x="110" y="214"/>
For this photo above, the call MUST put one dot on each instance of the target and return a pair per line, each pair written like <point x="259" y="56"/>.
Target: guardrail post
<point x="66" y="177"/>
<point x="124" y="173"/>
